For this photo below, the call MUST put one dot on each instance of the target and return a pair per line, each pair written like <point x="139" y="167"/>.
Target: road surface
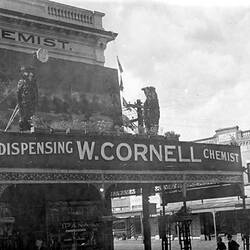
<point x="156" y="245"/>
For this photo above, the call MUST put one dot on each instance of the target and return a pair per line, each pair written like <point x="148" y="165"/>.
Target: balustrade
<point x="245" y="134"/>
<point x="76" y="16"/>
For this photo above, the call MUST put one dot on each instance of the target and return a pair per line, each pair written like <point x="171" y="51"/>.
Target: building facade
<point x="57" y="180"/>
<point x="75" y="89"/>
<point x="75" y="92"/>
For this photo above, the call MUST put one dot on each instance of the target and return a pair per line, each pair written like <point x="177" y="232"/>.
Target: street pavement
<point x="156" y="245"/>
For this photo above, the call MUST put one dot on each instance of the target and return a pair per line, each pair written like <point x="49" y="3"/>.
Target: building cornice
<point x="227" y="129"/>
<point x="55" y="24"/>
<point x="205" y="139"/>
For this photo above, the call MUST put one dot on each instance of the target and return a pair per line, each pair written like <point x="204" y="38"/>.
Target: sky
<point x="195" y="53"/>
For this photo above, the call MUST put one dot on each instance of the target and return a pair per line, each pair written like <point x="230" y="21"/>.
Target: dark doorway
<point x="56" y="216"/>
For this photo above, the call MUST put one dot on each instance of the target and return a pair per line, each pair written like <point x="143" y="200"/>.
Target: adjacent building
<point x="209" y="216"/>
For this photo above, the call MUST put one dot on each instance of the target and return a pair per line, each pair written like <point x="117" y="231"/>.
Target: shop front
<point x="58" y="216"/>
<point x="56" y="188"/>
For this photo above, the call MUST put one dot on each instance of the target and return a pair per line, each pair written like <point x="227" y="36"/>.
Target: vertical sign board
<point x="104" y="152"/>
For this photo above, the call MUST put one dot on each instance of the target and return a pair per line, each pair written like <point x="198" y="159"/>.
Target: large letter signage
<point x="23" y="37"/>
<point x="114" y="153"/>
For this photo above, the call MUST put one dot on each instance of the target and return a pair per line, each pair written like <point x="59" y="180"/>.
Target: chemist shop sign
<point x="8" y="35"/>
<point x="102" y="152"/>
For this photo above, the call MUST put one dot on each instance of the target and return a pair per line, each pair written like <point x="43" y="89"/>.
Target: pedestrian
<point x="220" y="244"/>
<point x="232" y="244"/>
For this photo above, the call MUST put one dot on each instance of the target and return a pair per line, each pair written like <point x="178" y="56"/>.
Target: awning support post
<point x="146" y="224"/>
<point x="214" y="221"/>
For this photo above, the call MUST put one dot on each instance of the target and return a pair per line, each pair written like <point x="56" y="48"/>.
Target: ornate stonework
<point x="214" y="178"/>
<point x="67" y="32"/>
<point x="3" y="188"/>
<point x="16" y="176"/>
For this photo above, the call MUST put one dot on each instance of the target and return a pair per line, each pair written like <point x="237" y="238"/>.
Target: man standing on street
<point x="232" y="244"/>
